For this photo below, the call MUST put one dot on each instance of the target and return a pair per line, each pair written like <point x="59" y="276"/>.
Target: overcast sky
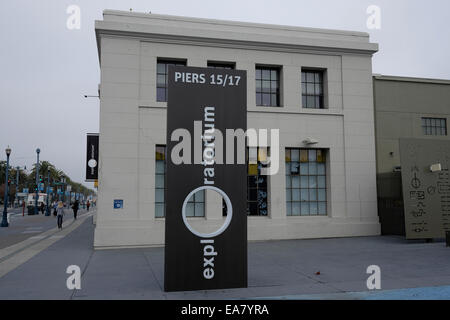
<point x="45" y="68"/>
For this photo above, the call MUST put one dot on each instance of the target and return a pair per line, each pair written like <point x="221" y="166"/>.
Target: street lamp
<point x="37" y="182"/>
<point x="5" y="208"/>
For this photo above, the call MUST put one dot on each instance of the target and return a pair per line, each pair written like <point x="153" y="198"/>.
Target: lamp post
<point x="47" y="212"/>
<point x="37" y="182"/>
<point x="5" y="209"/>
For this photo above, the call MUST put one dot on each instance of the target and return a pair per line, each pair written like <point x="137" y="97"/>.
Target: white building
<point x="309" y="83"/>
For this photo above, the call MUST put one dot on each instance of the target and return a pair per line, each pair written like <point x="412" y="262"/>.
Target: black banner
<point x="218" y="259"/>
<point x="92" y="157"/>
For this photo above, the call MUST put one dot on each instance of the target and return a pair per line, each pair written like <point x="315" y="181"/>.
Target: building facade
<point x="313" y="85"/>
<point x="404" y="108"/>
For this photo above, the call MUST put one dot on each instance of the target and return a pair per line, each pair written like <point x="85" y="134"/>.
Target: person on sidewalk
<point x="88" y="204"/>
<point x="55" y="208"/>
<point x="42" y="207"/>
<point x="75" y="207"/>
<point x="60" y="214"/>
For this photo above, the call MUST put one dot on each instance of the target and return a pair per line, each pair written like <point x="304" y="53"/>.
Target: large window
<point x="221" y="65"/>
<point x="306" y="182"/>
<point x="196" y="204"/>
<point x="256" y="183"/>
<point x="160" y="176"/>
<point x="267" y="87"/>
<point x="434" y="126"/>
<point x="162" y="78"/>
<point x="312" y="89"/>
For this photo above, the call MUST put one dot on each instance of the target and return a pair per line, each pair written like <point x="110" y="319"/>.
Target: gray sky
<point x="45" y="68"/>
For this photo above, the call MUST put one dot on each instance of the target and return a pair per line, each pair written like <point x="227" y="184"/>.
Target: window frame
<point x="258" y="189"/>
<point x="221" y="65"/>
<point x="318" y="81"/>
<point x="433" y="126"/>
<point x="303" y="190"/>
<point x="259" y="90"/>
<point x="166" y="62"/>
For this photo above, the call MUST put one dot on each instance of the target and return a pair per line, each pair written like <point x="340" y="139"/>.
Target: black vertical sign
<point x="217" y="259"/>
<point x="92" y="157"/>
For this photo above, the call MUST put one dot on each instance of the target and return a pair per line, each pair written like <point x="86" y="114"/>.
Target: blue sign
<point x="118" y="204"/>
<point x="25" y="190"/>
<point x="41" y="187"/>
<point x="50" y="189"/>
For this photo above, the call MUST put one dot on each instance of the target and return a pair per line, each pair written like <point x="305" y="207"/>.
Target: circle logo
<point x="92" y="163"/>
<point x="227" y="220"/>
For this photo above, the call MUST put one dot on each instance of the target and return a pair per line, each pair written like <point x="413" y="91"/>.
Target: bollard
<point x="7" y="218"/>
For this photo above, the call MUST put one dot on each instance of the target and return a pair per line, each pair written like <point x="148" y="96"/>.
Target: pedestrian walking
<point x="88" y="204"/>
<point x="55" y="207"/>
<point x="42" y="207"/>
<point x="60" y="214"/>
<point x="75" y="207"/>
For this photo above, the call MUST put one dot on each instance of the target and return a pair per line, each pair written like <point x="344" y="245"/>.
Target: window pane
<point x="288" y="182"/>
<point x="258" y="74"/>
<point x="295" y="155"/>
<point x="295" y="182"/>
<point x="321" y="181"/>
<point x="304" y="88"/>
<point x="288" y="195"/>
<point x="310" y="88"/>
<point x="161" y="80"/>
<point x="295" y="194"/>
<point x="305" y="208"/>
<point x="312" y="181"/>
<point x="159" y="195"/>
<point x="199" y="210"/>
<point x="321" y="168"/>
<point x="266" y="100"/>
<point x="274" y="75"/>
<point x="312" y="168"/>
<point x="258" y="86"/>
<point x="287" y="155"/>
<point x="288" y="208"/>
<point x="295" y="208"/>
<point x="161" y="68"/>
<point x="190" y="210"/>
<point x="313" y="194"/>
<point x="199" y="196"/>
<point x="313" y="208"/>
<point x="265" y="74"/>
<point x="318" y="89"/>
<point x="304" y="101"/>
<point x="159" y="181"/>
<point x="304" y="194"/>
<point x="295" y="168"/>
<point x="312" y="155"/>
<point x="318" y="77"/>
<point x="304" y="181"/>
<point x="160" y="167"/>
<point x="159" y="210"/>
<point x="274" y="101"/>
<point x="304" y="155"/>
<point x="304" y="168"/>
<point x="161" y="94"/>
<point x="259" y="99"/>
<point x="310" y="102"/>
<point x="288" y="168"/>
<point x="321" y="195"/>
<point x="266" y="86"/>
<point x="310" y="77"/>
<point x="322" y="208"/>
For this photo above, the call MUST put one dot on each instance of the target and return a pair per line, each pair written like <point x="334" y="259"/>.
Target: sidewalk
<point x="277" y="269"/>
<point x="27" y="226"/>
